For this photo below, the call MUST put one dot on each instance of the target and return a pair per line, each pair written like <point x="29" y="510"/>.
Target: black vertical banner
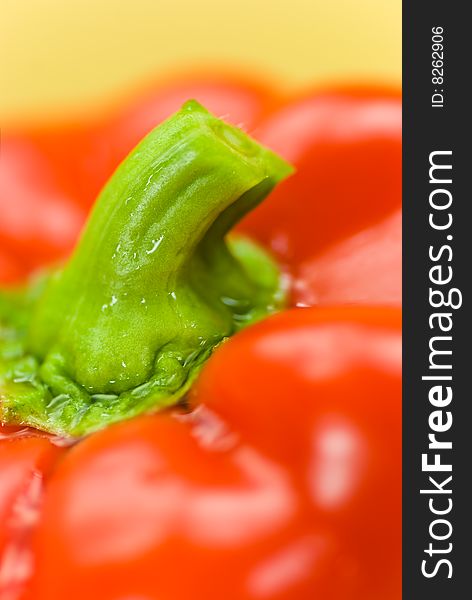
<point x="437" y="269"/>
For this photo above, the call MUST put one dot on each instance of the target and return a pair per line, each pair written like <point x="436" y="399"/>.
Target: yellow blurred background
<point x="67" y="58"/>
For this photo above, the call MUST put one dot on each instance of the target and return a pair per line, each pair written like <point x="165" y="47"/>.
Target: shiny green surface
<point x="152" y="287"/>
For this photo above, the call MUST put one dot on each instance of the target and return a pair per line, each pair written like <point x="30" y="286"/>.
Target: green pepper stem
<point x="152" y="286"/>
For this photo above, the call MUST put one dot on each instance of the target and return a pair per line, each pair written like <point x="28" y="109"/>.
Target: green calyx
<point x="152" y="287"/>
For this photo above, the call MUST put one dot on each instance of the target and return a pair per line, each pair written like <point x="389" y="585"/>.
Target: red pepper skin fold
<point x="319" y="390"/>
<point x="145" y="510"/>
<point x="40" y="221"/>
<point x="346" y="148"/>
<point x="25" y="464"/>
<point x="365" y="268"/>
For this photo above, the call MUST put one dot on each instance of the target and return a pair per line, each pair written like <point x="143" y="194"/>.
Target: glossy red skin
<point x="25" y="464"/>
<point x="80" y="156"/>
<point x="143" y="510"/>
<point x="346" y="147"/>
<point x="11" y="269"/>
<point x="40" y="222"/>
<point x="365" y="268"/>
<point x="320" y="391"/>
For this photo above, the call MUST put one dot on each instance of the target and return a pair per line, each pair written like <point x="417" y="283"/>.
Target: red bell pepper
<point x="279" y="475"/>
